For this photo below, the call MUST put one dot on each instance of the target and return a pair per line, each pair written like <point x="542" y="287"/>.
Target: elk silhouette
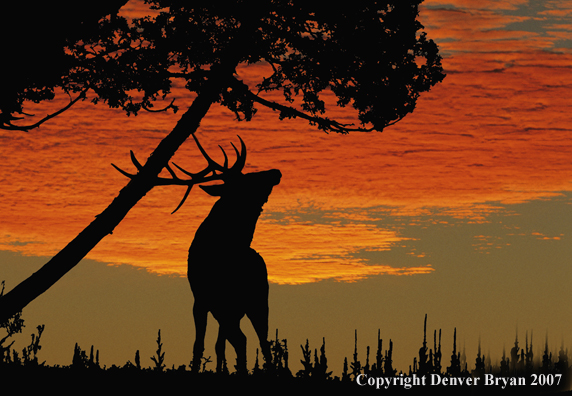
<point x="227" y="277"/>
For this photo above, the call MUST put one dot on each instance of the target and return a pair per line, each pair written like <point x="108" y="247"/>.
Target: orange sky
<point x="495" y="131"/>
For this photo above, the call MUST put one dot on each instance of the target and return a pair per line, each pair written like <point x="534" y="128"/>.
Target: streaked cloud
<point x="476" y="4"/>
<point x="490" y="26"/>
<point x="495" y="132"/>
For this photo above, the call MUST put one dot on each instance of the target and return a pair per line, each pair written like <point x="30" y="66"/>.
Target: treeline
<point x="551" y="373"/>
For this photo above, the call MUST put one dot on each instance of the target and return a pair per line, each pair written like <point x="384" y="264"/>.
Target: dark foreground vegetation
<point x="518" y="373"/>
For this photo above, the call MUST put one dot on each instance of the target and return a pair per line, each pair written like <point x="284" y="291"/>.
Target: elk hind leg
<point x="259" y="319"/>
<point x="231" y="331"/>
<point x="257" y="310"/>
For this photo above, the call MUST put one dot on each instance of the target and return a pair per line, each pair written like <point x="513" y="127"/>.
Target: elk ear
<point x="215" y="190"/>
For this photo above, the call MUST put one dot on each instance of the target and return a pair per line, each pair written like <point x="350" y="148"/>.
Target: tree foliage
<point x="34" y="37"/>
<point x="373" y="55"/>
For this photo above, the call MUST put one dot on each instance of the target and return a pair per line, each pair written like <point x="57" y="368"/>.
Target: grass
<point x="85" y="372"/>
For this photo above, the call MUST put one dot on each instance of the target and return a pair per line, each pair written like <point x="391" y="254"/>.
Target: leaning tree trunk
<point x="104" y="223"/>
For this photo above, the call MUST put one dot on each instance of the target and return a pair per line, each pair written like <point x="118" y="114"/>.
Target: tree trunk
<point x="104" y="223"/>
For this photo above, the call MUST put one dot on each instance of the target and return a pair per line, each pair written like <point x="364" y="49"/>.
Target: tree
<point x="372" y="55"/>
<point x="33" y="38"/>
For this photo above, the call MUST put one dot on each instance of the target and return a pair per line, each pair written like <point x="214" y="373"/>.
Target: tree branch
<point x="323" y="123"/>
<point x="169" y="106"/>
<point x="6" y="123"/>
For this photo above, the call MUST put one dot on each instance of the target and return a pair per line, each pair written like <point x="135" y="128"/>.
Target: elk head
<point x="246" y="191"/>
<point x="251" y="189"/>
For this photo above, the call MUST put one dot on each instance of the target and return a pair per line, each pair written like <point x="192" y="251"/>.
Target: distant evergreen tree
<point x="454" y="370"/>
<point x="504" y="366"/>
<point x="514" y="354"/>
<point x="306" y="361"/>
<point x="321" y="366"/>
<point x="479" y="363"/>
<point x="562" y="364"/>
<point x="366" y="368"/>
<point x="345" y="375"/>
<point x="529" y="363"/>
<point x="377" y="369"/>
<point x="388" y="361"/>
<point x="356" y="364"/>
<point x="424" y="364"/>
<point x="437" y="354"/>
<point x="546" y="358"/>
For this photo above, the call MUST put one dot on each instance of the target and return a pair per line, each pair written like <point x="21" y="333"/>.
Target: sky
<point x="461" y="211"/>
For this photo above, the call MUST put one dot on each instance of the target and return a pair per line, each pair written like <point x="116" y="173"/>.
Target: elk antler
<point x="213" y="171"/>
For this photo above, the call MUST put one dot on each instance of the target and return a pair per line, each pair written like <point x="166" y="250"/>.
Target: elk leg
<point x="257" y="311"/>
<point x="237" y="339"/>
<point x="200" y="318"/>
<point x="259" y="319"/>
<point x="220" y="351"/>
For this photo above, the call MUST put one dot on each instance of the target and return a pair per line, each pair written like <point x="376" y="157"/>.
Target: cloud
<point x="306" y="252"/>
<point x="474" y="26"/>
<point x="476" y="4"/>
<point x="495" y="132"/>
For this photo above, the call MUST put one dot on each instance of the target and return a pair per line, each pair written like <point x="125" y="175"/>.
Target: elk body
<point x="228" y="278"/>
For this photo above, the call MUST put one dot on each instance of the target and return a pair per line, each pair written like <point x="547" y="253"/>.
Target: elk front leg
<point x="200" y="317"/>
<point x="220" y="352"/>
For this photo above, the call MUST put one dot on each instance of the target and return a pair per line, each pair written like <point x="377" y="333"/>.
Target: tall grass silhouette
<point x="549" y="373"/>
